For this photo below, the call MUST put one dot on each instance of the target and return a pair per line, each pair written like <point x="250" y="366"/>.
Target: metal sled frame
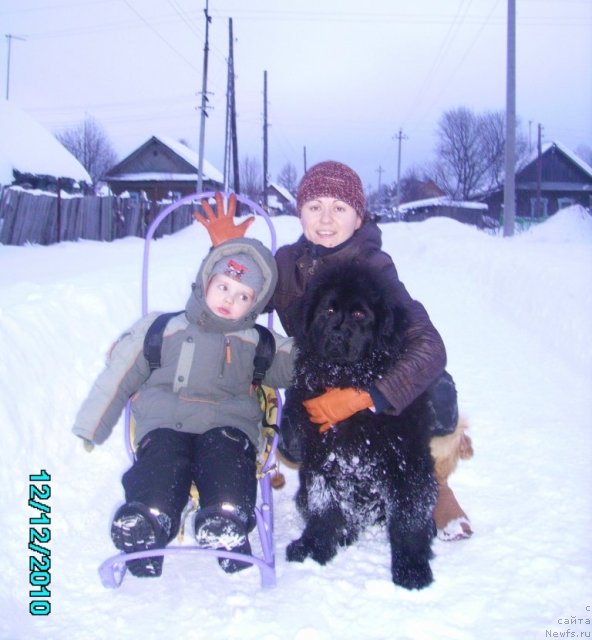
<point x="112" y="570"/>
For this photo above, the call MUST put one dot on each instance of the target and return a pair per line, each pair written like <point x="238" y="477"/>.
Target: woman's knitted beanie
<point x="332" y="179"/>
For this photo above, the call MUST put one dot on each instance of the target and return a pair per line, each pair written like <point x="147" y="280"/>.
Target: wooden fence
<point x="45" y="219"/>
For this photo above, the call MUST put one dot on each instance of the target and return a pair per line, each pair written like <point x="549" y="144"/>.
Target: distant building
<point x="280" y="200"/>
<point x="162" y="169"/>
<point x="474" y="213"/>
<point x="556" y="179"/>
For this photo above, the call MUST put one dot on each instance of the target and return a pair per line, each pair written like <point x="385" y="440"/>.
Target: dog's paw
<point x="413" y="575"/>
<point x="299" y="550"/>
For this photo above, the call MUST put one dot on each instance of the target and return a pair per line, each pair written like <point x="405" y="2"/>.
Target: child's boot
<point x="137" y="527"/>
<point x="223" y="529"/>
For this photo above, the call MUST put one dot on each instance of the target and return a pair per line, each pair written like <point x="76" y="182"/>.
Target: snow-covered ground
<point x="516" y="316"/>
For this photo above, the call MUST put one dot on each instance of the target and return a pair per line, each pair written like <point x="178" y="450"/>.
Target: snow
<point x="30" y="148"/>
<point x="443" y="201"/>
<point x="516" y="316"/>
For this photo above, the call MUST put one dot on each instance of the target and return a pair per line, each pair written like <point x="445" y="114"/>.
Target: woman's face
<point x="328" y="222"/>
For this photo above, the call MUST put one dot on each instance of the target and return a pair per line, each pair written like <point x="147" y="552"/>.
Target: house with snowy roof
<point x="162" y="168"/>
<point x="280" y="200"/>
<point x="474" y="213"/>
<point x="32" y="158"/>
<point x="549" y="181"/>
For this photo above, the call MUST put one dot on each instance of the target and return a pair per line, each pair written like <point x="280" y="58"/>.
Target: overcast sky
<point x="343" y="77"/>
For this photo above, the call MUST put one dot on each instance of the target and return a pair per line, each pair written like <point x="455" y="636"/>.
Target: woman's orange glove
<point x="220" y="225"/>
<point x="336" y="405"/>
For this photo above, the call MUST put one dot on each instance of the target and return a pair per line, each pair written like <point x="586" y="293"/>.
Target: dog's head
<point x="349" y="316"/>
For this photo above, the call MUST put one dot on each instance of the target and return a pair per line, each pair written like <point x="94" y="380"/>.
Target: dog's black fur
<point x="371" y="468"/>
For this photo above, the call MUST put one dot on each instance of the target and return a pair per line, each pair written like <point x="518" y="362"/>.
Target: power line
<point x="439" y="57"/>
<point x="161" y="37"/>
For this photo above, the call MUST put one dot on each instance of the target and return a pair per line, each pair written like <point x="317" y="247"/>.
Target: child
<point x="197" y="415"/>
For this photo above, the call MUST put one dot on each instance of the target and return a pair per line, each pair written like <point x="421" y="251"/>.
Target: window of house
<point x="543" y="207"/>
<point x="565" y="202"/>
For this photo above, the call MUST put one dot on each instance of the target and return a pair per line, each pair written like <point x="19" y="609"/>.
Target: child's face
<point x="328" y="222"/>
<point x="228" y="298"/>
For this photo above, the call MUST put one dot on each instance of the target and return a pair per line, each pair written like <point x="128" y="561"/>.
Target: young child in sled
<point x="197" y="415"/>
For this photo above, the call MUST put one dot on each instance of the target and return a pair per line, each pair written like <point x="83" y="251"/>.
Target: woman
<point x="336" y="227"/>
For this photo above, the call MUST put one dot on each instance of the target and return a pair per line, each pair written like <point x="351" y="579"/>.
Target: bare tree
<point x="288" y="177"/>
<point x="251" y="178"/>
<point x="470" y="152"/>
<point x="460" y="165"/>
<point x="90" y="145"/>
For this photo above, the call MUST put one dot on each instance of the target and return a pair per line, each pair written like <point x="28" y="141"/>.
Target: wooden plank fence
<point x="46" y="218"/>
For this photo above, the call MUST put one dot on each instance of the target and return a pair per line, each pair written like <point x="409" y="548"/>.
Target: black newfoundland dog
<point x="371" y="468"/>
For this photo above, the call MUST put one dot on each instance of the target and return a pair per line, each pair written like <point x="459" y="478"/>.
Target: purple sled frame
<point x="112" y="570"/>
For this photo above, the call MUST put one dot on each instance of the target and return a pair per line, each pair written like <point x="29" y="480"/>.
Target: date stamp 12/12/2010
<point x="39" y="539"/>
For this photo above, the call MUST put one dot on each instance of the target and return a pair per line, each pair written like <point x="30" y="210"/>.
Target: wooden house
<point x="280" y="200"/>
<point x="162" y="169"/>
<point x="555" y="179"/>
<point x="474" y="213"/>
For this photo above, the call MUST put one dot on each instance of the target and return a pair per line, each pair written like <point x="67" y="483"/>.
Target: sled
<point x="112" y="571"/>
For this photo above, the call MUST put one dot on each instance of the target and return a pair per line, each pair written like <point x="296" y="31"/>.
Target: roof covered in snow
<point x="130" y="169"/>
<point x="209" y="170"/>
<point x="284" y="192"/>
<point x="26" y="146"/>
<point x="441" y="201"/>
<point x="586" y="168"/>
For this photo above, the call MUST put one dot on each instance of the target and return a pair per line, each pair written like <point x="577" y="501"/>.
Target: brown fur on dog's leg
<point x="448" y="450"/>
<point x="452" y="523"/>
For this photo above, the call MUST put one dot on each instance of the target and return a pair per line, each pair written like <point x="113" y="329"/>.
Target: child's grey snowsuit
<point x="202" y="388"/>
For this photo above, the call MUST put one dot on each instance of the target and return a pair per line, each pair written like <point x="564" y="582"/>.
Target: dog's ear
<point x="392" y="321"/>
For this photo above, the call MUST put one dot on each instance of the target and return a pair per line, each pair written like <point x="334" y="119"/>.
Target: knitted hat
<point x="332" y="180"/>
<point x="242" y="268"/>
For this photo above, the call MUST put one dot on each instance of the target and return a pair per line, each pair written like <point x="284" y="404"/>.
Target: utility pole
<point x="233" y="131"/>
<point x="204" y="99"/>
<point x="304" y="157"/>
<point x="510" y="159"/>
<point x="10" y="38"/>
<point x="265" y="140"/>
<point x="400" y="137"/>
<point x="227" y="142"/>
<point x="539" y="172"/>
<point x="230" y="142"/>
<point x="226" y="164"/>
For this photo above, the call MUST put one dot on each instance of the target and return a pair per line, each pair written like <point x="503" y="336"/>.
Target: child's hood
<point x="196" y="308"/>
